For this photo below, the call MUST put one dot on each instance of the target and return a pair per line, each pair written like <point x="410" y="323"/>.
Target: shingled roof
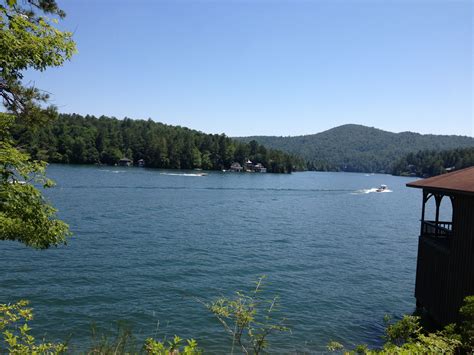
<point x="456" y="181"/>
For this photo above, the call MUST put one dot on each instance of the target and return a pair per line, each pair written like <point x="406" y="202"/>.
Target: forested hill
<point x="359" y="148"/>
<point x="76" y="139"/>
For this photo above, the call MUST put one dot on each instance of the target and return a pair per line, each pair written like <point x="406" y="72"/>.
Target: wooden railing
<point x="437" y="229"/>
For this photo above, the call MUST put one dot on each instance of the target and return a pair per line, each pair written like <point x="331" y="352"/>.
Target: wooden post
<point x="451" y="197"/>
<point x="425" y="194"/>
<point x="438" y="199"/>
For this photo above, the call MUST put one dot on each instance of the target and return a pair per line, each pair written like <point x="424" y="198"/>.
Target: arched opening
<point x="430" y="208"/>
<point x="446" y="209"/>
<point x="437" y="215"/>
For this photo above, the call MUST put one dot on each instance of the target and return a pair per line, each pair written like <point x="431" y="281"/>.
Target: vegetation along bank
<point x="76" y="139"/>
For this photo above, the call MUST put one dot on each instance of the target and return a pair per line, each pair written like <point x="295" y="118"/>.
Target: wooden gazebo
<point x="445" y="265"/>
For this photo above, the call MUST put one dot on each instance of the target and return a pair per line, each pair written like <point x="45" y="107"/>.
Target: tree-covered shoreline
<point x="76" y="139"/>
<point x="427" y="163"/>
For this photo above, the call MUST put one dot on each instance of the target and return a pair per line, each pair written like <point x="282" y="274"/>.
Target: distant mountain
<point x="359" y="148"/>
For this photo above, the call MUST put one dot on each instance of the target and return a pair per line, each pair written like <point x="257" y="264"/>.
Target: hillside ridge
<point x="358" y="148"/>
<point x="350" y="125"/>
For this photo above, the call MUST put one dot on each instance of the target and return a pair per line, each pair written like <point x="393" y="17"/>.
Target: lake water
<point x="147" y="243"/>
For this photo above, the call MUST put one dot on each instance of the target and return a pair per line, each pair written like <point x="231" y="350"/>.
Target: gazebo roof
<point x="457" y="181"/>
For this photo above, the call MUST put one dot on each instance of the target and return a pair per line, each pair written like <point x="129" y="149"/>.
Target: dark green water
<point x="147" y="244"/>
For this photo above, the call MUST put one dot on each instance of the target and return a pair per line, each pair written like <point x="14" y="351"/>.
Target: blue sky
<point x="271" y="67"/>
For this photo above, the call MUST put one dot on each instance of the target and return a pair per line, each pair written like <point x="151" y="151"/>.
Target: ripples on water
<point x="146" y="245"/>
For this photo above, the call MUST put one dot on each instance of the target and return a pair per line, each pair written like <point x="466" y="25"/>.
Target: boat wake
<point x="368" y="191"/>
<point x="184" y="174"/>
<point x="113" y="171"/>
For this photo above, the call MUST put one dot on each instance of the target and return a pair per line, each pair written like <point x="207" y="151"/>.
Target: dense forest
<point x="430" y="163"/>
<point x="358" y="148"/>
<point x="76" y="139"/>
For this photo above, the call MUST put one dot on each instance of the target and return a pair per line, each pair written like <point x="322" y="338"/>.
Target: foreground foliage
<point x="407" y="336"/>
<point x="75" y="139"/>
<point x="28" y="40"/>
<point x="175" y="346"/>
<point x="14" y="326"/>
<point x="124" y="342"/>
<point x="25" y="216"/>
<point x="248" y="318"/>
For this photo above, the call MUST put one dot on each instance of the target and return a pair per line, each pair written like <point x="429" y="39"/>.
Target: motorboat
<point x="382" y="188"/>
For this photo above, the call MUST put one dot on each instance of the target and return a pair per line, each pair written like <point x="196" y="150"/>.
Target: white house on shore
<point x="236" y="167"/>
<point x="248" y="167"/>
<point x="259" y="168"/>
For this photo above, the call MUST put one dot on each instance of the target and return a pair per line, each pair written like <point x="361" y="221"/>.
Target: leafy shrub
<point x="14" y="320"/>
<point x="248" y="318"/>
<point x="407" y="336"/>
<point x="174" y="347"/>
<point x="467" y="325"/>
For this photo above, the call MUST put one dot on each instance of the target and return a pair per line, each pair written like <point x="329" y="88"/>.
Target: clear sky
<point x="271" y="67"/>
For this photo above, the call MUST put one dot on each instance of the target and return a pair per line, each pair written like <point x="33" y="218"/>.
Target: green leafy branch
<point x="407" y="336"/>
<point x="173" y="347"/>
<point x="25" y="216"/>
<point x="248" y="318"/>
<point x="17" y="339"/>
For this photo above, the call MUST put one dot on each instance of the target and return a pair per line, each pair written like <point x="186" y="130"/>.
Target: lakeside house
<point x="236" y="167"/>
<point x="125" y="162"/>
<point x="259" y="168"/>
<point x="248" y="167"/>
<point x="445" y="263"/>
